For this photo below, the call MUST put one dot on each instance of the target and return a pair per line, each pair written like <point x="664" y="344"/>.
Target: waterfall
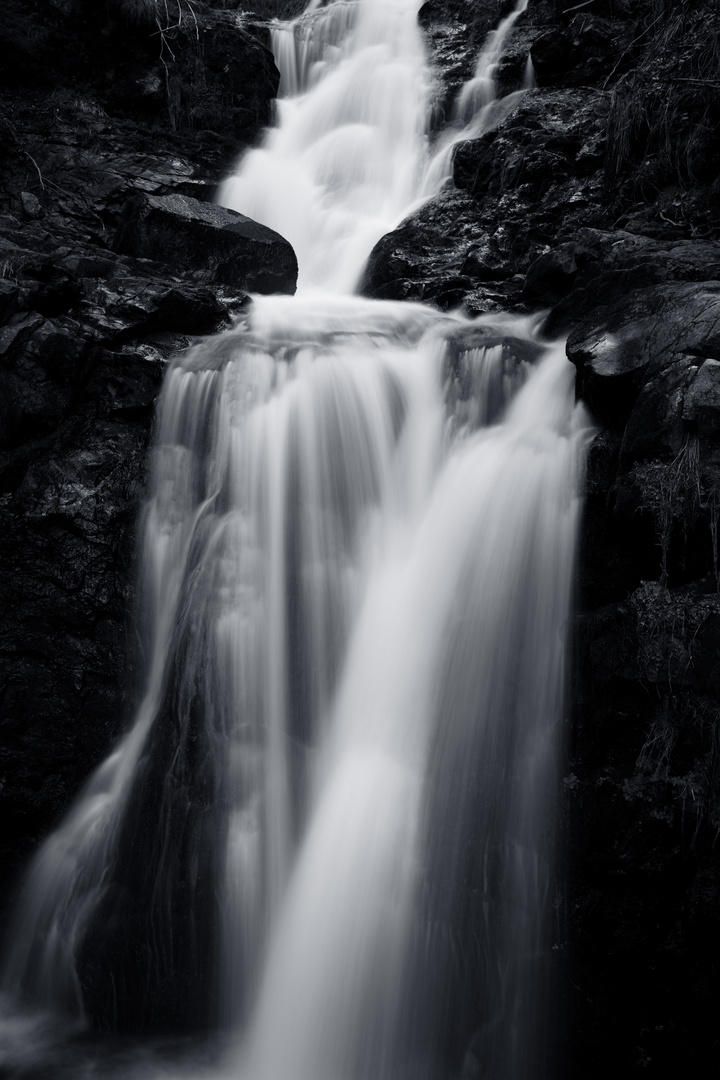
<point x="341" y="168"/>
<point x="329" y="830"/>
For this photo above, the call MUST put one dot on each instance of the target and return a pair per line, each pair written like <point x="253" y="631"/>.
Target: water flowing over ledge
<point x="330" y="829"/>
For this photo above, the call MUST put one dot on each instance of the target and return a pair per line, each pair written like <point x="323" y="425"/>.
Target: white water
<point x="349" y="157"/>
<point x="342" y="166"/>
<point x="328" y="828"/>
<point x="477" y="108"/>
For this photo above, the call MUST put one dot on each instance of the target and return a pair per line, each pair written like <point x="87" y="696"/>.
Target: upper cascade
<point x="343" y="164"/>
<point x="350" y="155"/>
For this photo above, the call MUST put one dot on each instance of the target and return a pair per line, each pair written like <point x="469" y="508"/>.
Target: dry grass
<point x="166" y="14"/>
<point x="664" y="124"/>
<point x="671" y="492"/>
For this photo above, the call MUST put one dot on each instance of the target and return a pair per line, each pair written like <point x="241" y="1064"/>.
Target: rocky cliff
<point x="596" y="201"/>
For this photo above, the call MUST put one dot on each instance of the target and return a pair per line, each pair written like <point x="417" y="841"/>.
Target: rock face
<point x="211" y="242"/>
<point x="634" y="341"/>
<point x="90" y="127"/>
<point x="520" y="190"/>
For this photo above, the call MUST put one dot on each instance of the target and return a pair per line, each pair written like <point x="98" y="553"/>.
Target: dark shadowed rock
<point x="551" y="56"/>
<point x="701" y="405"/>
<point x="611" y="265"/>
<point x="209" y="241"/>
<point x="621" y="346"/>
<point x="551" y="276"/>
<point x="582" y="52"/>
<point x="656" y="426"/>
<point x="547" y="140"/>
<point x="533" y="177"/>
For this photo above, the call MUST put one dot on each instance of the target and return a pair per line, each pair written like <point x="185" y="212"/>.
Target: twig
<point x="578" y="6"/>
<point x="37" y="167"/>
<point x="192" y="12"/>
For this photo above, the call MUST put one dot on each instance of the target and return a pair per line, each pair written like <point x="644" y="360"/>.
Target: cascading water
<point x="329" y="830"/>
<point x="342" y="166"/>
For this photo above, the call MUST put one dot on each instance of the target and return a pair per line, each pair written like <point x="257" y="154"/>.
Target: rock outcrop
<point x="208" y="242"/>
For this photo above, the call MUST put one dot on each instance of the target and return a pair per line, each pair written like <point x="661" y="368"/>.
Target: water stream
<point x="329" y="831"/>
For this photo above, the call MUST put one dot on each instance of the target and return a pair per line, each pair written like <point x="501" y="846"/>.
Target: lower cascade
<point x="329" y="832"/>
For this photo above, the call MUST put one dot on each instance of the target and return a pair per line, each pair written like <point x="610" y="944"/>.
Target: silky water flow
<point x="329" y="831"/>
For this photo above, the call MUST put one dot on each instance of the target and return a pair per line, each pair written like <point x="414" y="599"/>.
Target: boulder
<point x="619" y="347"/>
<point x="551" y="276"/>
<point x="212" y="242"/>
<point x="535" y="173"/>
<point x="442" y="254"/>
<point x="548" y="139"/>
<point x="612" y="264"/>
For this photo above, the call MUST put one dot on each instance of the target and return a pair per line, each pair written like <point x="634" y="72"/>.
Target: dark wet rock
<point x="126" y="308"/>
<point x="583" y="51"/>
<point x="551" y="276"/>
<point x="442" y="255"/>
<point x="537" y="146"/>
<point x="519" y="187"/>
<point x="455" y="31"/>
<point x="621" y="346"/>
<point x="410" y="262"/>
<point x="66" y="554"/>
<point x="209" y="241"/>
<point x="614" y="264"/>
